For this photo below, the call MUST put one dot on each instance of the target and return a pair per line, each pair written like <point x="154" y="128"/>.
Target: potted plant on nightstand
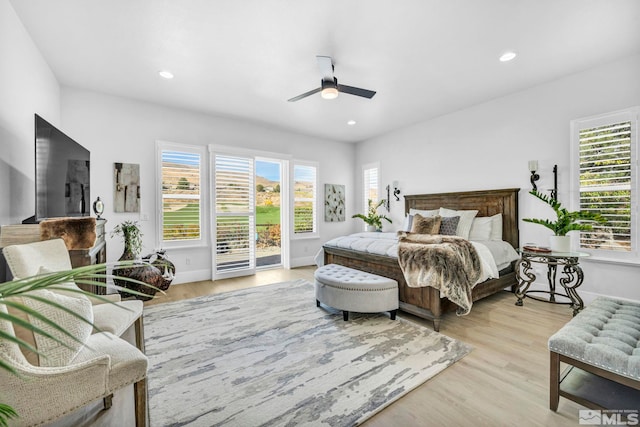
<point x="565" y="222"/>
<point x="372" y="218"/>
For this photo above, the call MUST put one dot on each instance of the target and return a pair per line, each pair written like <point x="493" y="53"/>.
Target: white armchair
<point x="43" y="394"/>
<point x="102" y="364"/>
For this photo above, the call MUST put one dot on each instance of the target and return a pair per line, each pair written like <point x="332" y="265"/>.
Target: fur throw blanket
<point x="77" y="233"/>
<point x="448" y="263"/>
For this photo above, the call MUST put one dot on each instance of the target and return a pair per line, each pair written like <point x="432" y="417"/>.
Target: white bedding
<point x="494" y="255"/>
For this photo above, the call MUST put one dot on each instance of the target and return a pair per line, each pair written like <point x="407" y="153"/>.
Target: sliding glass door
<point x="234" y="215"/>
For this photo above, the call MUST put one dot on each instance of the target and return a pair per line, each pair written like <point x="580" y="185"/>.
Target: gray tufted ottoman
<point x="602" y="345"/>
<point x="353" y="290"/>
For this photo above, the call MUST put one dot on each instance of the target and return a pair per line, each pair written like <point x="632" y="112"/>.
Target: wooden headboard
<point x="487" y="202"/>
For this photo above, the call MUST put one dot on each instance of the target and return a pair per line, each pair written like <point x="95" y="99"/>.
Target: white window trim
<point x="204" y="190"/>
<point x="316" y="233"/>
<point x="632" y="115"/>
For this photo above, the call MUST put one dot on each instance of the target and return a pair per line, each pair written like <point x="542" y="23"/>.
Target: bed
<point x="427" y="302"/>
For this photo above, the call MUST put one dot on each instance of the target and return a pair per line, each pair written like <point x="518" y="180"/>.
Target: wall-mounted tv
<point x="62" y="174"/>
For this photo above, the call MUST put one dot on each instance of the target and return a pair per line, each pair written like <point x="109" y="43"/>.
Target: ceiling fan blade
<point x="304" y="95"/>
<point x="356" y="91"/>
<point x="325" y="64"/>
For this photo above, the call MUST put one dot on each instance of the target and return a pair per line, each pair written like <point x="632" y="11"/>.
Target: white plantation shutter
<point x="370" y="180"/>
<point x="304" y="199"/>
<point x="181" y="213"/>
<point x="370" y="184"/>
<point x="607" y="178"/>
<point x="234" y="215"/>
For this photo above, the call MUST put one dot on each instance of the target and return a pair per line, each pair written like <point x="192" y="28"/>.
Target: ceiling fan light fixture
<point x="329" y="93"/>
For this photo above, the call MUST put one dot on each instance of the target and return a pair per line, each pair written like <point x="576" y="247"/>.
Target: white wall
<point x="27" y="86"/>
<point x="488" y="146"/>
<point x="123" y="130"/>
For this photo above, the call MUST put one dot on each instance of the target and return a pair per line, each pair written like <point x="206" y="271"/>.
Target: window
<point x="304" y="192"/>
<point x="369" y="185"/>
<point x="181" y="172"/>
<point x="605" y="180"/>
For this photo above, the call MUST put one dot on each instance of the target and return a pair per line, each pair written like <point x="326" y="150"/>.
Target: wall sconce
<point x="533" y="167"/>
<point x="554" y="192"/>
<point x="396" y="191"/>
<point x="387" y="202"/>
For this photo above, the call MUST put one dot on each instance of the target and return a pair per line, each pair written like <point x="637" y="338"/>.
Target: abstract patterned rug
<point x="268" y="356"/>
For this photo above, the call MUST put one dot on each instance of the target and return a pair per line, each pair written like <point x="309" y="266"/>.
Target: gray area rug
<point x="267" y="356"/>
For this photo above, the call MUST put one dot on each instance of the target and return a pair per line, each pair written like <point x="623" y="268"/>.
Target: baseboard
<point x="191" y="276"/>
<point x="302" y="262"/>
<point x="586" y="296"/>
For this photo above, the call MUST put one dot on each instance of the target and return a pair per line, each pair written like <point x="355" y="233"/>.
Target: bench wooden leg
<point x="393" y="314"/>
<point x="345" y="315"/>
<point x="554" y="380"/>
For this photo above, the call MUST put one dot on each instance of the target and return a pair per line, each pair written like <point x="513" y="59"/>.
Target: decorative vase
<point x="371" y="228"/>
<point x="560" y="243"/>
<point x="146" y="273"/>
<point x="160" y="260"/>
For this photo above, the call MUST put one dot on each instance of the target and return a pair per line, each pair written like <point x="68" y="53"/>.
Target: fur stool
<point x="348" y="290"/>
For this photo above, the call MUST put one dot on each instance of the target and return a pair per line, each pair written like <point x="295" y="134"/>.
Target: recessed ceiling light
<point x="166" y="74"/>
<point x="507" y="56"/>
<point x="351" y="122"/>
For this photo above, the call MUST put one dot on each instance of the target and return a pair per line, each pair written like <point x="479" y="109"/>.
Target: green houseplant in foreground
<point x="89" y="275"/>
<point x="566" y="221"/>
<point x="372" y="218"/>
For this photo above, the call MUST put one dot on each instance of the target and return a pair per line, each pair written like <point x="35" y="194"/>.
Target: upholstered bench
<point x="348" y="290"/>
<point x="602" y="346"/>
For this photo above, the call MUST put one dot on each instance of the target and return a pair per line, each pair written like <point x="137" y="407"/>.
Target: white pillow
<point x="408" y="221"/>
<point x="52" y="352"/>
<point x="466" y="218"/>
<point x="481" y="228"/>
<point x="496" y="227"/>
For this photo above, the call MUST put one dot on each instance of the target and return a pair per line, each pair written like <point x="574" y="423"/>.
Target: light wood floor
<point x="503" y="381"/>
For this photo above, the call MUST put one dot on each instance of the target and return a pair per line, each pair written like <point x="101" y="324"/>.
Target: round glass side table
<point x="571" y="277"/>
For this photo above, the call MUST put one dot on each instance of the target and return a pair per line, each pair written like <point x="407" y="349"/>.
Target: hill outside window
<point x="181" y="213"/>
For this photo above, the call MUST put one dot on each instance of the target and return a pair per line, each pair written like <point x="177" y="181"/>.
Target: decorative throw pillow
<point x="68" y="288"/>
<point x="466" y="218"/>
<point x="426" y="225"/>
<point x="449" y="225"/>
<point x="52" y="352"/>
<point x="424" y="213"/>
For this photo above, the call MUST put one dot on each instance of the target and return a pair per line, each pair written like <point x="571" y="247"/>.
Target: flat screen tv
<point x="62" y="174"/>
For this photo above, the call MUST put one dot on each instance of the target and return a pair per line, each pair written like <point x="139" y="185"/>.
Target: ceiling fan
<point x="329" y="87"/>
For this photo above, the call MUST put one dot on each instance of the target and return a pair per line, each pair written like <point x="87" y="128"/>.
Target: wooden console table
<point x="29" y="233"/>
